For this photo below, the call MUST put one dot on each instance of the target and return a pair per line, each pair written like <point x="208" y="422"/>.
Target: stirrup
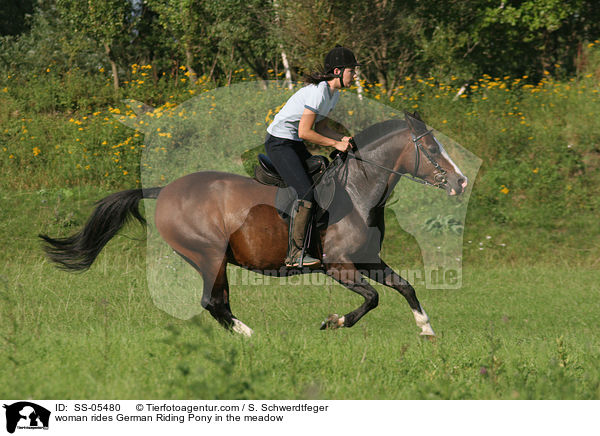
<point x="302" y="261"/>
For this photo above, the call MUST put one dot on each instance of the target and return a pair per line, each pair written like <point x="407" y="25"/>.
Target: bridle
<point x="439" y="175"/>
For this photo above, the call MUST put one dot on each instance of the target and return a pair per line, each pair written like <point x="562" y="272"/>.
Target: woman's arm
<point x="323" y="128"/>
<point x="324" y="136"/>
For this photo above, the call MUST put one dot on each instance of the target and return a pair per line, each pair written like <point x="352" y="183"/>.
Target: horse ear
<point x="410" y="120"/>
<point x="417" y="116"/>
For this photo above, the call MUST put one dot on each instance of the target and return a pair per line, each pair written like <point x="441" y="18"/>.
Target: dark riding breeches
<point x="289" y="158"/>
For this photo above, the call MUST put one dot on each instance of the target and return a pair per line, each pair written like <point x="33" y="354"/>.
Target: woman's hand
<point x="343" y="144"/>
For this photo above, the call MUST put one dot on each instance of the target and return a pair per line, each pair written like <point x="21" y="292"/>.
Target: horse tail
<point x="78" y="252"/>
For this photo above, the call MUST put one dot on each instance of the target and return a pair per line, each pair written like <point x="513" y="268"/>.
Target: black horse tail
<point x="78" y="252"/>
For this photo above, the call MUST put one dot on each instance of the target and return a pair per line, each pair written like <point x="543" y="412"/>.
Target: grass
<point x="523" y="330"/>
<point x="524" y="324"/>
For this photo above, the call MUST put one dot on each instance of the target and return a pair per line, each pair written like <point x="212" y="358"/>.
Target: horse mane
<point x="379" y="130"/>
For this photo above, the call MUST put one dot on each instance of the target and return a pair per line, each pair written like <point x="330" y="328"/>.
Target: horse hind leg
<point x="215" y="298"/>
<point x="215" y="295"/>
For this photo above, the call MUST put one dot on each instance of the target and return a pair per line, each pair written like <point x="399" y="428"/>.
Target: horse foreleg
<point x="384" y="274"/>
<point x="348" y="276"/>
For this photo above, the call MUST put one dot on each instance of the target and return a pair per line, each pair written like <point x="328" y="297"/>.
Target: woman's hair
<point x="316" y="78"/>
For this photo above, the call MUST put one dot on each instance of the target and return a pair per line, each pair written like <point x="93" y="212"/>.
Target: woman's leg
<point x="289" y="158"/>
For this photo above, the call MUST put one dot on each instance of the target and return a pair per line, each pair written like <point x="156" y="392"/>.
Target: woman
<point x="304" y="118"/>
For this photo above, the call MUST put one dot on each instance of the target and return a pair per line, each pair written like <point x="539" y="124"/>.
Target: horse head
<point x="429" y="161"/>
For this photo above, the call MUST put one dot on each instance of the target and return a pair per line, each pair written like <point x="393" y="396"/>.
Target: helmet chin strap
<point x="341" y="77"/>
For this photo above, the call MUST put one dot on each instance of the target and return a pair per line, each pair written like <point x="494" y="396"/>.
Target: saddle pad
<point x="325" y="191"/>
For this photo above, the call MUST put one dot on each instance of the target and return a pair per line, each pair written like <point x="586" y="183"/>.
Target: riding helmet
<point x="340" y="57"/>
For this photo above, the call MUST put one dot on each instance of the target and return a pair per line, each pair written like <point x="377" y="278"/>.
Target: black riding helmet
<point x="339" y="57"/>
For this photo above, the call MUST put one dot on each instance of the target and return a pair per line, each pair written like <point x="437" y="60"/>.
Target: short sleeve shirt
<point x="317" y="98"/>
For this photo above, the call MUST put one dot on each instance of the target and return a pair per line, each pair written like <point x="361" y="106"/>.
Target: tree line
<point x="215" y="38"/>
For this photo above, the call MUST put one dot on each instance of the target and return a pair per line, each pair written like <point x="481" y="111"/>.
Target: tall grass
<point x="516" y="330"/>
<point x="538" y="141"/>
<point x="510" y="332"/>
<point x="522" y="326"/>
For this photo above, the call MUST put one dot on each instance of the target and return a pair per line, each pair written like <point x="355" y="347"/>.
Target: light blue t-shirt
<point x="317" y="98"/>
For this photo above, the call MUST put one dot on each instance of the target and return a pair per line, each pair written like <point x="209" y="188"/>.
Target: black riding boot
<point x="299" y="222"/>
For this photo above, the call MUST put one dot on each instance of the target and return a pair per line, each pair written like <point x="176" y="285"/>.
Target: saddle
<point x="319" y="171"/>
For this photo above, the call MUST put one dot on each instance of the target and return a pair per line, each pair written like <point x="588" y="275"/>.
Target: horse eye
<point x="432" y="147"/>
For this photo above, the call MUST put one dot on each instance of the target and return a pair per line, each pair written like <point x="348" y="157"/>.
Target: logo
<point x="26" y="415"/>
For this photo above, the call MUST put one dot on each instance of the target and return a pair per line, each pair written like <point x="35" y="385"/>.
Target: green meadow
<point x="524" y="325"/>
<point x="519" y="328"/>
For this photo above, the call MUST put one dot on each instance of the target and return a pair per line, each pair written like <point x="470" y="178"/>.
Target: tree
<point x="309" y="29"/>
<point x="148" y="43"/>
<point x="243" y="31"/>
<point x="546" y="31"/>
<point x="102" y="20"/>
<point x="13" y="16"/>
<point x="284" y="59"/>
<point x="503" y="37"/>
<point x="384" y="34"/>
<point x="381" y="33"/>
<point x="186" y="22"/>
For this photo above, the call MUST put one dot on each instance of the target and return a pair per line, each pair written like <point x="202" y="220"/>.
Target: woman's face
<point x="349" y="76"/>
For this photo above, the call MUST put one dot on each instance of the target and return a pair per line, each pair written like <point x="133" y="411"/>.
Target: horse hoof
<point x="428" y="337"/>
<point x="332" y="322"/>
<point x="241" y="328"/>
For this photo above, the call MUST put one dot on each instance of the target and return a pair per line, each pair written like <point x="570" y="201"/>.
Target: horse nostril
<point x="462" y="182"/>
